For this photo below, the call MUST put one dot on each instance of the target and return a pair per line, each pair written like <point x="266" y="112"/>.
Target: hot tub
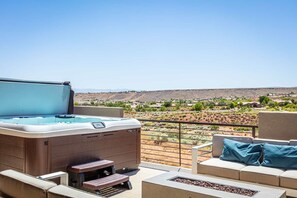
<point x="39" y="134"/>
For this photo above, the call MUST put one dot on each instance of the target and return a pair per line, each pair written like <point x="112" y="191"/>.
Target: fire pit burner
<point x="215" y="186"/>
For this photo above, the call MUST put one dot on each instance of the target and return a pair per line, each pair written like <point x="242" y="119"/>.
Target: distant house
<point x="133" y="106"/>
<point x="282" y="102"/>
<point x="158" y="105"/>
<point x="252" y="104"/>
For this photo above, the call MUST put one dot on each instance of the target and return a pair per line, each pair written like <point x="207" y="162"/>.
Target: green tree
<point x="264" y="100"/>
<point x="232" y="105"/>
<point x="139" y="108"/>
<point x="167" y="104"/>
<point x="198" y="106"/>
<point x="163" y="108"/>
<point x="272" y="104"/>
<point x="222" y="102"/>
<point x="177" y="106"/>
<point x="210" y="105"/>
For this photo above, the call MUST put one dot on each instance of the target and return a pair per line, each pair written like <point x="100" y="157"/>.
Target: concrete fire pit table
<point x="184" y="185"/>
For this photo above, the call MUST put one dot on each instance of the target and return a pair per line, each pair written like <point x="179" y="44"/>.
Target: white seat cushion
<point x="289" y="179"/>
<point x="221" y="168"/>
<point x="261" y="174"/>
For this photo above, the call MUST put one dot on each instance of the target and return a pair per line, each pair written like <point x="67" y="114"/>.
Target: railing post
<point x="254" y="132"/>
<point x="179" y="142"/>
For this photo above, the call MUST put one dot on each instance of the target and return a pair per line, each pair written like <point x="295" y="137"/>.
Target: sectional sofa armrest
<point x="195" y="155"/>
<point x="62" y="175"/>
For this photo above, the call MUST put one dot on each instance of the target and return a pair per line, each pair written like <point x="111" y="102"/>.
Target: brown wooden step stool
<point x="92" y="166"/>
<point x="109" y="181"/>
<point x="77" y="173"/>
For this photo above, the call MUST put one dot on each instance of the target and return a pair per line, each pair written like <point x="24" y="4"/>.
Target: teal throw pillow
<point x="279" y="156"/>
<point x="241" y="152"/>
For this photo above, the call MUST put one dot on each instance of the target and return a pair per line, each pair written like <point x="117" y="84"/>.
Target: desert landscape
<point x="171" y="142"/>
<point x="186" y="94"/>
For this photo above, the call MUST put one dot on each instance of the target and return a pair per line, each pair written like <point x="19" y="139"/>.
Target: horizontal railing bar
<point x="198" y="123"/>
<point x="186" y="159"/>
<point x="162" y="160"/>
<point x="158" y="131"/>
<point x="184" y="149"/>
<point x="165" y="142"/>
<point x="147" y="135"/>
<point x="203" y="154"/>
<point x="152" y="135"/>
<point x="198" y="140"/>
<point x="166" y="151"/>
<point x="156" y="160"/>
<point x="163" y="146"/>
<point x="177" y="133"/>
<point x="217" y="130"/>
<point x="159" y="160"/>
<point x="171" y="143"/>
<point x="163" y="127"/>
<point x="173" y="157"/>
<point x="144" y="133"/>
<point x="158" y="150"/>
<point x="167" y="156"/>
<point x="195" y="131"/>
<point x="186" y="164"/>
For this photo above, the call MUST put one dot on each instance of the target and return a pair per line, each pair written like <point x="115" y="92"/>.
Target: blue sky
<point x="152" y="44"/>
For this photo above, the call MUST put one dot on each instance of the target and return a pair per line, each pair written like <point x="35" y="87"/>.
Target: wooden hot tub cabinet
<point x="37" y="156"/>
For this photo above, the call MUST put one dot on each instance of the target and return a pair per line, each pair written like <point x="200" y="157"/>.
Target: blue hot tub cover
<point x="19" y="97"/>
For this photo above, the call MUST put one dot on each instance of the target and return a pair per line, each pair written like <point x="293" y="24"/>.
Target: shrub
<point x="232" y="105"/>
<point x="139" y="108"/>
<point x="264" y="100"/>
<point x="214" y="128"/>
<point x="210" y="105"/>
<point x="163" y="108"/>
<point x="222" y="102"/>
<point x="291" y="107"/>
<point x="167" y="104"/>
<point x="198" y="106"/>
<point x="177" y="106"/>
<point x="272" y="104"/>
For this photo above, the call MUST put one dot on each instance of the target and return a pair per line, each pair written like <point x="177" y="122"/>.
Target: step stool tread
<point x="104" y="182"/>
<point x="92" y="166"/>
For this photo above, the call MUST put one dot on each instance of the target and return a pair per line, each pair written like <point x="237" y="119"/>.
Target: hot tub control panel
<point x="98" y="125"/>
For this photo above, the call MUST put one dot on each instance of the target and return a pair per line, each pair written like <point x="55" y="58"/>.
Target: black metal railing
<point x="170" y="142"/>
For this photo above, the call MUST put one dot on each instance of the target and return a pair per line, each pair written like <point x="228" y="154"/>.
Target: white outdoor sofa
<point x="238" y="171"/>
